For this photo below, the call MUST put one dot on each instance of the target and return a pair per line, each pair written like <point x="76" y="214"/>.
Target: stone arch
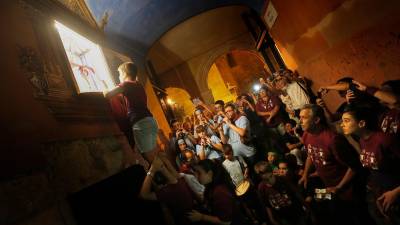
<point x="243" y="43"/>
<point x="182" y="99"/>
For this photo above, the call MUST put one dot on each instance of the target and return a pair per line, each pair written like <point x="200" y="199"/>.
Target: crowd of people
<point x="280" y="156"/>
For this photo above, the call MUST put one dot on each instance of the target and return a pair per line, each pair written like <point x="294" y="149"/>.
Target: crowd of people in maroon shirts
<point x="280" y="156"/>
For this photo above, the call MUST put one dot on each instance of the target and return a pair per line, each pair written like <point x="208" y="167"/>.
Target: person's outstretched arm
<point x="384" y="96"/>
<point x="113" y="92"/>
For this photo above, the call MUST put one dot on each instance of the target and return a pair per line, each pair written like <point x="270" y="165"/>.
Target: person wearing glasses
<point x="235" y="131"/>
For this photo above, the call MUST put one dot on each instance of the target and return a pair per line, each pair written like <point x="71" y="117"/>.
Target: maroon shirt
<point x="390" y="122"/>
<point x="268" y="106"/>
<point x="179" y="198"/>
<point x="222" y="203"/>
<point x="136" y="101"/>
<point x="331" y="155"/>
<point x="280" y="197"/>
<point x="275" y="198"/>
<point x="380" y="153"/>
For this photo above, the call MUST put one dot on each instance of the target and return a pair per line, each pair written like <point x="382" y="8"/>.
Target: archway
<point x="235" y="72"/>
<point x="180" y="101"/>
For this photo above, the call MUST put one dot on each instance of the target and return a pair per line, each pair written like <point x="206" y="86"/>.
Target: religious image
<point x="87" y="61"/>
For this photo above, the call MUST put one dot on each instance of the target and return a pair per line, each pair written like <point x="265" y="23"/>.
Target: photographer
<point x="178" y="132"/>
<point x="203" y="120"/>
<point x="209" y="147"/>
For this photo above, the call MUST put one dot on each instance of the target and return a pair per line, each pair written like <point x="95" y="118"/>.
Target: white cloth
<point x="239" y="149"/>
<point x="234" y="170"/>
<point x="296" y="97"/>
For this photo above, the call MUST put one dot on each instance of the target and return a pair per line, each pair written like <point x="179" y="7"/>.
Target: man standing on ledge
<point x="144" y="126"/>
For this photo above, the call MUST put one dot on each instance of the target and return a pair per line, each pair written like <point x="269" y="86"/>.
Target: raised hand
<point x="360" y="86"/>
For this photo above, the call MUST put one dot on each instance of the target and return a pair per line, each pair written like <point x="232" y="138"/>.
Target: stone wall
<point x="39" y="197"/>
<point x="326" y="40"/>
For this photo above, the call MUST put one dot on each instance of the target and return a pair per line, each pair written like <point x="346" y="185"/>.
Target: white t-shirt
<point x="298" y="97"/>
<point x="234" y="170"/>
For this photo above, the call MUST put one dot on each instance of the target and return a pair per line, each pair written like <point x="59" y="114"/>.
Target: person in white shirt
<point x="235" y="131"/>
<point x="236" y="166"/>
<point x="294" y="95"/>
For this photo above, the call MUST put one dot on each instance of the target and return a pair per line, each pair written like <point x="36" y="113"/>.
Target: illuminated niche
<point x="87" y="61"/>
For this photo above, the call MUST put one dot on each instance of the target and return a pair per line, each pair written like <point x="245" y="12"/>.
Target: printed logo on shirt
<point x="317" y="155"/>
<point x="279" y="200"/>
<point x="368" y="160"/>
<point x="389" y="125"/>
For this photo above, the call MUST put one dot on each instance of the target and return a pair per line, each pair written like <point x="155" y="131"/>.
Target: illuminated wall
<point x="217" y="86"/>
<point x="337" y="38"/>
<point x="182" y="98"/>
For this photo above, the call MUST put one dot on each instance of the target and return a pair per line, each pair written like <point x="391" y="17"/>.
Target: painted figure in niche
<point x="79" y="63"/>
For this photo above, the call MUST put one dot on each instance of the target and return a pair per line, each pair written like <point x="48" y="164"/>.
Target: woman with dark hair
<point x="144" y="126"/>
<point x="380" y="154"/>
<point x="219" y="195"/>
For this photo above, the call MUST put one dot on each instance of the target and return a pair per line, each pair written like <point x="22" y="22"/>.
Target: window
<point x="87" y="61"/>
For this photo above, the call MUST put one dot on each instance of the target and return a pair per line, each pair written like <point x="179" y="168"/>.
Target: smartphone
<point x="352" y="87"/>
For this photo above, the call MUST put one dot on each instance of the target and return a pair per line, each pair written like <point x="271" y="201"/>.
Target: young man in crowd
<point x="389" y="96"/>
<point x="236" y="131"/>
<point x="209" y="146"/>
<point x="336" y="163"/>
<point x="283" y="202"/>
<point x="292" y="141"/>
<point x="380" y="154"/>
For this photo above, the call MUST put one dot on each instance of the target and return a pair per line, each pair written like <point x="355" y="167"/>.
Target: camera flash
<point x="256" y="87"/>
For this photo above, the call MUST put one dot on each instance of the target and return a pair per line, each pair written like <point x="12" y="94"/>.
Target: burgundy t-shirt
<point x="136" y="101"/>
<point x="280" y="197"/>
<point x="390" y="122"/>
<point x="223" y="203"/>
<point x="179" y="199"/>
<point x="331" y="155"/>
<point x="273" y="197"/>
<point x="380" y="153"/>
<point x="268" y="106"/>
<point x="119" y="111"/>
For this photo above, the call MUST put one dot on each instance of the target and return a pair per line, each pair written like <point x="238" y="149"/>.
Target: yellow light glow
<point x="87" y="61"/>
<point x="170" y="102"/>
